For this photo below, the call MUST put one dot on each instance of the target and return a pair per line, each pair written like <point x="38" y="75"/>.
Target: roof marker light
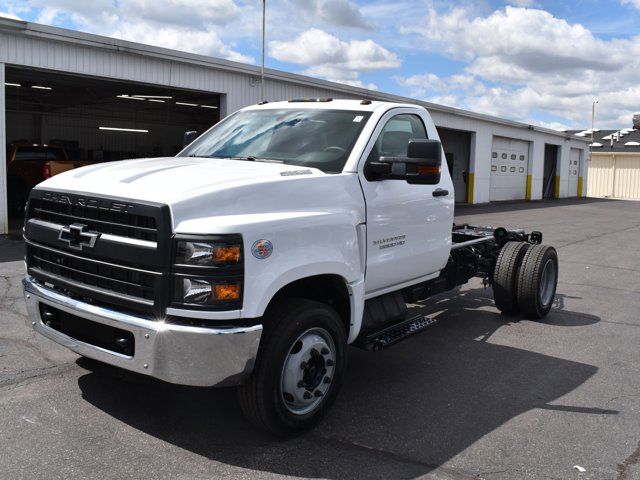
<point x="150" y="96"/>
<point x="118" y="129"/>
<point x="41" y="87"/>
<point x="127" y="97"/>
<point x="187" y="104"/>
<point x="8" y="84"/>
<point x="208" y="106"/>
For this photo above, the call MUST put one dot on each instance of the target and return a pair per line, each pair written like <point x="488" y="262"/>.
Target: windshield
<point x="320" y="139"/>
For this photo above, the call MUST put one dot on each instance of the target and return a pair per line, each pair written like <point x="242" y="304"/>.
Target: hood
<point x="167" y="180"/>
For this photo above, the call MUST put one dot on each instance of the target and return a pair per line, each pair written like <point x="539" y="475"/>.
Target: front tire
<point x="299" y="368"/>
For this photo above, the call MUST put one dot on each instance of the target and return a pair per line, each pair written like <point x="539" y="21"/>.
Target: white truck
<point x="280" y="236"/>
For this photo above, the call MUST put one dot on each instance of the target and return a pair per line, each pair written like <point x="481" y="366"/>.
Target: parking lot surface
<point x="476" y="396"/>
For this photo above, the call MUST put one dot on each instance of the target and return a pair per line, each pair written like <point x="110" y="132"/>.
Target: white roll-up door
<point x="509" y="159"/>
<point x="574" y="172"/>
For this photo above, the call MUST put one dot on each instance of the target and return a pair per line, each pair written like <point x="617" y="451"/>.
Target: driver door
<point x="408" y="228"/>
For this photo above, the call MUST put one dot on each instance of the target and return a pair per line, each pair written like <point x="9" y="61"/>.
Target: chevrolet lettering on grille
<point x="77" y="236"/>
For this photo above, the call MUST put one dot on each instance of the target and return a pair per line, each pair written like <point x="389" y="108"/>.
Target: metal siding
<point x="627" y="177"/>
<point x="4" y="219"/>
<point x="600" y="181"/>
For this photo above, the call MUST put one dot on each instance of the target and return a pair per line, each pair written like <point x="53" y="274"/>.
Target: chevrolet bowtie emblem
<point x="77" y="236"/>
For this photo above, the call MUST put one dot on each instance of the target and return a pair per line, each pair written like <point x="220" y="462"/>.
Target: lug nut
<point x="301" y="384"/>
<point x="324" y="351"/>
<point x="314" y="352"/>
<point x="318" y="393"/>
<point x="330" y="363"/>
<point x="303" y="365"/>
<point x="307" y="395"/>
<point x="326" y="380"/>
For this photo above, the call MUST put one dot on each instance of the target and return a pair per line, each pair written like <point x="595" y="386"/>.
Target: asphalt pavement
<point x="477" y="396"/>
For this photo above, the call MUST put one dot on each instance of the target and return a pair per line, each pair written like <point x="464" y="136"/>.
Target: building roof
<point x="629" y="140"/>
<point x="67" y="36"/>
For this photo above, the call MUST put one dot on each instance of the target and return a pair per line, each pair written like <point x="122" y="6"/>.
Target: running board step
<point x="395" y="333"/>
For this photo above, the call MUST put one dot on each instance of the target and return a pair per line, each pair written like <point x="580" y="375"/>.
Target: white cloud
<point x="530" y="61"/>
<point x="187" y="12"/>
<point x="633" y="3"/>
<point x="194" y="41"/>
<point x="9" y="15"/>
<point x="522" y="3"/>
<point x="186" y="25"/>
<point x="342" y="13"/>
<point x="327" y="56"/>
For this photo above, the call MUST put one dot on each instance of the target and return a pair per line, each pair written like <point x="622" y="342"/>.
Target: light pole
<point x="593" y="120"/>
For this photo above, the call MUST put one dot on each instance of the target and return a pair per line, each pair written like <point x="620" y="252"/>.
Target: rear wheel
<point x="537" y="281"/>
<point x="298" y="370"/>
<point x="505" y="276"/>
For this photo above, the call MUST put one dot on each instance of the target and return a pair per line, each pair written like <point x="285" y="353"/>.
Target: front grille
<point x="140" y="227"/>
<point x="94" y="279"/>
<point x="127" y="266"/>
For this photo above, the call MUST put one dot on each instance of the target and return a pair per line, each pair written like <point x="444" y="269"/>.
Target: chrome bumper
<point x="174" y="353"/>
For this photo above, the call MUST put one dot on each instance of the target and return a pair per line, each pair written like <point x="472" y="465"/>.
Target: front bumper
<point x="174" y="353"/>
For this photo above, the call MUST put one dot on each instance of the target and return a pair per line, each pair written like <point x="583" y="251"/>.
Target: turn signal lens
<point x="226" y="292"/>
<point x="227" y="254"/>
<point x="425" y="170"/>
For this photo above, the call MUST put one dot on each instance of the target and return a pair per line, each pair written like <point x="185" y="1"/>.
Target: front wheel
<point x="299" y="368"/>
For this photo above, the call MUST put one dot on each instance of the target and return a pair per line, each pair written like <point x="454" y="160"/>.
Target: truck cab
<point x="256" y="255"/>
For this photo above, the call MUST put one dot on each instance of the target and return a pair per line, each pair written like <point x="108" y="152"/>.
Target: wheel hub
<point x="547" y="282"/>
<point x="308" y="371"/>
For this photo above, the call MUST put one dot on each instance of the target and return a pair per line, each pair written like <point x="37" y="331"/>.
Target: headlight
<point x="202" y="291"/>
<point x="208" y="272"/>
<point x="208" y="254"/>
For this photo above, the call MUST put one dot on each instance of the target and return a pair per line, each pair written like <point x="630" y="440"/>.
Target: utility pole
<point x="264" y="28"/>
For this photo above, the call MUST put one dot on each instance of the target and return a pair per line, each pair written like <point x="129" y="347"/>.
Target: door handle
<point x="440" y="192"/>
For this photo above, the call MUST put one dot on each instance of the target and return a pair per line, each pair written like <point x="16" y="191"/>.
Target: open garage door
<point x="509" y="160"/>
<point x="574" y="172"/>
<point x="457" y="149"/>
<point x="85" y="119"/>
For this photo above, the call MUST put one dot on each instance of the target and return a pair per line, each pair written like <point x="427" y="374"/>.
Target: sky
<point x="541" y="62"/>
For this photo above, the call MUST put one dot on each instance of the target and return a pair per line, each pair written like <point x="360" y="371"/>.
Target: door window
<point x="395" y="136"/>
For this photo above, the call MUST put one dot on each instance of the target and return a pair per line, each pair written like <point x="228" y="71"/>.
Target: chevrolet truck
<point x="253" y="258"/>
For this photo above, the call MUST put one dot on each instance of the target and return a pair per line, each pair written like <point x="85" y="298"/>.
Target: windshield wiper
<point x="245" y="159"/>
<point x="254" y="159"/>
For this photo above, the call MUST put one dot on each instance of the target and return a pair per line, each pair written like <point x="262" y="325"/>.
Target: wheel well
<point x="328" y="289"/>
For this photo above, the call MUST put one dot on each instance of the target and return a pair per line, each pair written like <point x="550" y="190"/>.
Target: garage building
<point x="614" y="168"/>
<point x="104" y="99"/>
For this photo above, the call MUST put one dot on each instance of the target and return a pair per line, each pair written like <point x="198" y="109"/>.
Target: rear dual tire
<point x="537" y="281"/>
<point x="525" y="279"/>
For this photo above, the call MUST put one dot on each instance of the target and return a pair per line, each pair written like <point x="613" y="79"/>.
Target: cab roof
<point x="331" y="104"/>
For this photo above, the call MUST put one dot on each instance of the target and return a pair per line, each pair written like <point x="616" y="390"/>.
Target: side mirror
<point x="189" y="137"/>
<point x="422" y="165"/>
